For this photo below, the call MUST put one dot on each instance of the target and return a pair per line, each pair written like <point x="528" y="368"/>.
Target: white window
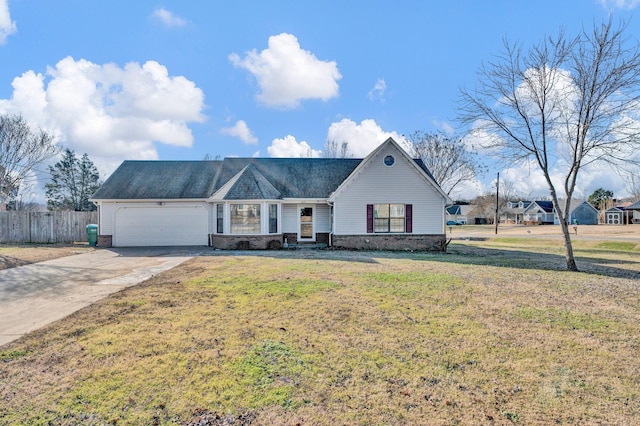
<point x="388" y="218"/>
<point x="245" y="218"/>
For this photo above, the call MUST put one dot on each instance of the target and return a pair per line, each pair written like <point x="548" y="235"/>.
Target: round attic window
<point x="389" y="160"/>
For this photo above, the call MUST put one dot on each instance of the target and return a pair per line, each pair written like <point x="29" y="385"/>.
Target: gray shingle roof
<point x="294" y="177"/>
<point x="252" y="185"/>
<point x="139" y="180"/>
<point x="264" y="178"/>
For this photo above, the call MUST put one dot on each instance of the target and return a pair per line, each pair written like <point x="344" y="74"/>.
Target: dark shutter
<point x="408" y="212"/>
<point x="369" y="218"/>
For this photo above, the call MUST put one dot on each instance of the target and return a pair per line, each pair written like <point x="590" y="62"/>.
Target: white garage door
<point x="160" y="226"/>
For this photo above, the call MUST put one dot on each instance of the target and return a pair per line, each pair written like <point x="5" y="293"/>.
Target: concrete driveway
<point x="35" y="295"/>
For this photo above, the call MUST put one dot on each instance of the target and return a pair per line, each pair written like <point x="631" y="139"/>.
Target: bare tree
<point x="633" y="186"/>
<point x="332" y="150"/>
<point x="25" y="198"/>
<point x="446" y="157"/>
<point x="562" y="105"/>
<point x="21" y="150"/>
<point x="485" y="206"/>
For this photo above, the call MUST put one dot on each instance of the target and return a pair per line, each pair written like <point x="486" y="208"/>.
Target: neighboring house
<point x="582" y="212"/>
<point x="634" y="210"/>
<point x="458" y="213"/>
<point x="385" y="201"/>
<point x="540" y="212"/>
<point x="514" y="212"/>
<point x="478" y="216"/>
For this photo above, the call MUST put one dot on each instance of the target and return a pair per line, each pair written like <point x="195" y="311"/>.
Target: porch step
<point x="306" y="246"/>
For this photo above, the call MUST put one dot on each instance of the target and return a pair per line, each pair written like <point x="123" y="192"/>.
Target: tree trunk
<point x="568" y="247"/>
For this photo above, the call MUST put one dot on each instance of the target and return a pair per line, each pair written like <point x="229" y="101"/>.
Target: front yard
<point x="494" y="332"/>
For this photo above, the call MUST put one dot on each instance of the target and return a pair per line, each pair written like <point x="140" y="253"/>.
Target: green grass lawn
<point x="492" y="332"/>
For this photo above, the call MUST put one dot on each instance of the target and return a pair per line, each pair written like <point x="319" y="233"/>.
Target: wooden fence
<point x="45" y="227"/>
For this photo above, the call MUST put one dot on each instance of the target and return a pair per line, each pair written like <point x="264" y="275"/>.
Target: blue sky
<point x="178" y="80"/>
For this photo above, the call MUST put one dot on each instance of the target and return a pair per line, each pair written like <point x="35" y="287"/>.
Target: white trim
<point x="220" y="193"/>
<point x="367" y="160"/>
<point x="313" y="223"/>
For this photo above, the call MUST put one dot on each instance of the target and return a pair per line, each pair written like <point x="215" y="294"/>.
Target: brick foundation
<point x="246" y="242"/>
<point x="391" y="242"/>
<point x="321" y="238"/>
<point x="105" y="241"/>
<point x="290" y="238"/>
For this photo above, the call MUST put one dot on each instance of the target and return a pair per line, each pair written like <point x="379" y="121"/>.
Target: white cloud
<point x="362" y="138"/>
<point x="527" y="180"/>
<point x="288" y="74"/>
<point x="241" y="131"/>
<point x="168" y="18"/>
<point x="288" y="147"/>
<point x="378" y="91"/>
<point x="7" y="26"/>
<point x="109" y="112"/>
<point x="620" y="4"/>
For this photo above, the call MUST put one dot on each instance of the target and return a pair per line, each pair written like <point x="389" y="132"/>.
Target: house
<point x="582" y="212"/>
<point x="384" y="201"/>
<point x="634" y="210"/>
<point x="514" y="211"/>
<point x="458" y="213"/>
<point x="539" y="212"/>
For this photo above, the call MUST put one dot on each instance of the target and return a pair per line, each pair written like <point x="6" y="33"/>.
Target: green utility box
<point x="92" y="234"/>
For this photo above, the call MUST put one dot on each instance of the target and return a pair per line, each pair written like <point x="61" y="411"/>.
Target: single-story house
<point x="457" y="213"/>
<point x="385" y="201"/>
<point x="582" y="212"/>
<point x="540" y="212"/>
<point x="634" y="209"/>
<point x="514" y="211"/>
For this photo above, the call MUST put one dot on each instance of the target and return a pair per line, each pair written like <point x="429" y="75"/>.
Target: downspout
<point x="330" y="204"/>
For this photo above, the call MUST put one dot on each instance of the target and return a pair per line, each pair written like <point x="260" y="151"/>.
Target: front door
<point x="306" y="224"/>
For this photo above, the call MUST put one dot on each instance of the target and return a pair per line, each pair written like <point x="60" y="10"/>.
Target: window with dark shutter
<point x="369" y="218"/>
<point x="388" y="218"/>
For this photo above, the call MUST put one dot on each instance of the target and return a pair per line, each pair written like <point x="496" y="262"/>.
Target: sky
<point x="188" y="80"/>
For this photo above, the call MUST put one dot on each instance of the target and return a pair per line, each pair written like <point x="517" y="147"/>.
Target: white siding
<point x="322" y="213"/>
<point x="289" y="218"/>
<point x="107" y="210"/>
<point x="377" y="183"/>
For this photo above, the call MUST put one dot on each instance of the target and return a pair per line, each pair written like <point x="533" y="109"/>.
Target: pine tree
<point x="73" y="182"/>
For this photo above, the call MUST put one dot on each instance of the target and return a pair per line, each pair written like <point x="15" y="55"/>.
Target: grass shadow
<point x="459" y="253"/>
<point x="540" y="260"/>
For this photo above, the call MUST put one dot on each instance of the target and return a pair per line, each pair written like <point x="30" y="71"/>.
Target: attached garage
<point x="160" y="225"/>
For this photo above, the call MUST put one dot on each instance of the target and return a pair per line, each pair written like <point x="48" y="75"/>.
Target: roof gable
<point x="544" y="205"/>
<point x="583" y="205"/>
<point x="455" y="209"/>
<point x="251" y="185"/>
<point x="417" y="165"/>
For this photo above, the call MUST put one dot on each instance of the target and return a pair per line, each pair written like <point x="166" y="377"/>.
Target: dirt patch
<point x="13" y="256"/>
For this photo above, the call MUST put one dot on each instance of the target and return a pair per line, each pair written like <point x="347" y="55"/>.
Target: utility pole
<point x="497" y="200"/>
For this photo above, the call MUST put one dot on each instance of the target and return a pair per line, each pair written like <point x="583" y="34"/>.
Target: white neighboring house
<point x="384" y="201"/>
<point x="539" y="211"/>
